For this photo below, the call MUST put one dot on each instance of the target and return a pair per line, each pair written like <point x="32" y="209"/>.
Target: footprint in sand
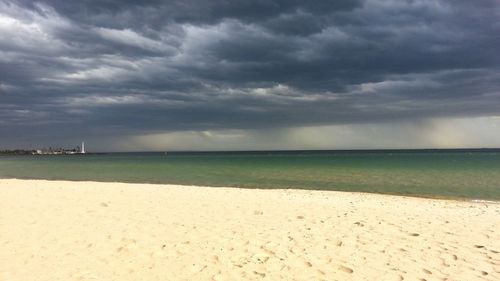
<point x="197" y="268"/>
<point x="217" y="277"/>
<point x="85" y="275"/>
<point x="128" y="245"/>
<point x="426" y="271"/>
<point x="346" y="269"/>
<point x="261" y="274"/>
<point x="260" y="258"/>
<point x="240" y="261"/>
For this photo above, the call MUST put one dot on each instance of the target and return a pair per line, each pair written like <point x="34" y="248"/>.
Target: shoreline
<point x="65" y="230"/>
<point x="423" y="196"/>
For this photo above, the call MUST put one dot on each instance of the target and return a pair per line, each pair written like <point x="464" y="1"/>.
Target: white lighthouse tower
<point x="83" y="148"/>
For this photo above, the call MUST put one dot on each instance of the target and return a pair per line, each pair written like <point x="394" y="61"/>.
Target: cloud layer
<point x="96" y="69"/>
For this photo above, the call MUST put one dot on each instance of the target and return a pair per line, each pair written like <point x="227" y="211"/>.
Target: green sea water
<point x="464" y="174"/>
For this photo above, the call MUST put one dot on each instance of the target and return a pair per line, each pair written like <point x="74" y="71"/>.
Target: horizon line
<point x="303" y="150"/>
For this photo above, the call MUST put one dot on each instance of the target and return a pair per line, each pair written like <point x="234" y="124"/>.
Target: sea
<point x="453" y="174"/>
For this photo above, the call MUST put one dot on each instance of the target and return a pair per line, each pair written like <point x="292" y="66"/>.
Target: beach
<point x="68" y="230"/>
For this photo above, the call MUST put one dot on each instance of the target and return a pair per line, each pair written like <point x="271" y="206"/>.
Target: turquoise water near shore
<point x="452" y="174"/>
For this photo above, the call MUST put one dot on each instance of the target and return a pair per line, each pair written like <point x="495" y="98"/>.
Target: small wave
<point x="485" y="201"/>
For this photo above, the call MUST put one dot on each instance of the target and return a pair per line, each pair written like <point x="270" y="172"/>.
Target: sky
<point x="157" y="75"/>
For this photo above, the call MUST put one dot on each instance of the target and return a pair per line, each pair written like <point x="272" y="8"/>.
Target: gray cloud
<point x="102" y="68"/>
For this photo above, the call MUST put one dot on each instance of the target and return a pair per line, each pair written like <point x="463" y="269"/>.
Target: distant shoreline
<point x="389" y="150"/>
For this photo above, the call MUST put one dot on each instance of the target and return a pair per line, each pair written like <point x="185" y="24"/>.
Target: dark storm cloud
<point x="193" y="11"/>
<point x="132" y="67"/>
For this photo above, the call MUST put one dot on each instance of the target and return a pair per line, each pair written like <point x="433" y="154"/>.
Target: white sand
<point x="56" y="230"/>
